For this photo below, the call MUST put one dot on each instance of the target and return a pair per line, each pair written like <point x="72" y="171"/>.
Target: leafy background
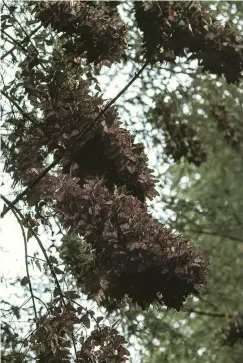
<point x="203" y="202"/>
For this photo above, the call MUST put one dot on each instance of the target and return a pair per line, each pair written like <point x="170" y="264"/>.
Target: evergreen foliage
<point x="75" y="165"/>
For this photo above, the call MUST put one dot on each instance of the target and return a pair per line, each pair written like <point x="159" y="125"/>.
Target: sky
<point x="12" y="258"/>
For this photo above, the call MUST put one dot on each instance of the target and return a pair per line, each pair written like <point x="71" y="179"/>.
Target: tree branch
<point x="25" y="39"/>
<point x="13" y="208"/>
<point x="26" y="263"/>
<point x="28" y="117"/>
<point x="216" y="234"/>
<point x="84" y="132"/>
<point x="14" y="41"/>
<point x="199" y="312"/>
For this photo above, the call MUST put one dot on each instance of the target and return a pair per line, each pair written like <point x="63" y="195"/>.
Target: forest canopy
<point x="122" y="130"/>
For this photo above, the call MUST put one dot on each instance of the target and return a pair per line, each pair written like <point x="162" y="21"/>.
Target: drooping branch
<point x="82" y="134"/>
<point x="100" y="191"/>
<point x="134" y="255"/>
<point x="217" y="48"/>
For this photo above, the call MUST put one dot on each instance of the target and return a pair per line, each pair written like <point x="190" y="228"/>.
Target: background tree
<point x="55" y="108"/>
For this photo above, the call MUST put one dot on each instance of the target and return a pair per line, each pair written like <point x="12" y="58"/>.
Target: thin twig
<point x="11" y="309"/>
<point x="25" y="114"/>
<point x="26" y="262"/>
<point x="212" y="233"/>
<point x="25" y="39"/>
<point x="36" y="258"/>
<point x="20" y="25"/>
<point x="14" y="40"/>
<point x="89" y="127"/>
<point x="37" y="298"/>
<point x="199" y="312"/>
<point x="30" y="118"/>
<point x="13" y="208"/>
